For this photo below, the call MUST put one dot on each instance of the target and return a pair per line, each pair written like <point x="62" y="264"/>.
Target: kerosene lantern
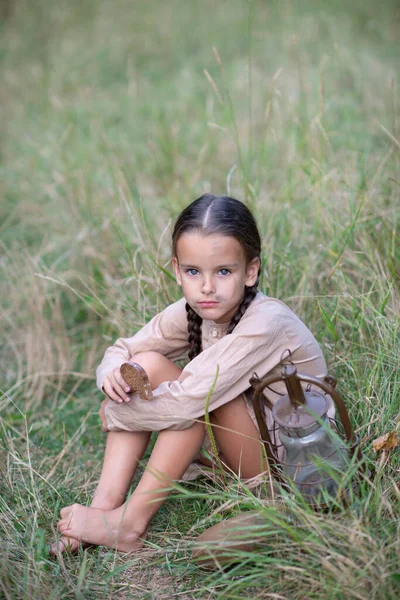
<point x="305" y="445"/>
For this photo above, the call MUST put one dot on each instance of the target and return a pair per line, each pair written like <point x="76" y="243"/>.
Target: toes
<point x="65" y="544"/>
<point x="68" y="510"/>
<point x="64" y="512"/>
<point x="63" y="525"/>
<point x="68" y="544"/>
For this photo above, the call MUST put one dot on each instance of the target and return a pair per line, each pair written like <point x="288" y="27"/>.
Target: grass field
<point x="115" y="115"/>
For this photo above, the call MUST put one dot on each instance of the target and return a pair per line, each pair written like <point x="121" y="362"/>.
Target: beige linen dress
<point x="266" y="330"/>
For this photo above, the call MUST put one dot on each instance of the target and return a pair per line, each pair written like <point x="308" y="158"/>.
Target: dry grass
<point x="109" y="127"/>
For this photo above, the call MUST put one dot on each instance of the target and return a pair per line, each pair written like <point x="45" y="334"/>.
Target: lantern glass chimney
<point x="315" y="457"/>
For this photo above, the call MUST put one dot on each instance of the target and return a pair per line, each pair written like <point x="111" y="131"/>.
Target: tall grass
<point x="115" y="116"/>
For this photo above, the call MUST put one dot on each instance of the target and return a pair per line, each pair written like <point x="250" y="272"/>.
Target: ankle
<point x="107" y="501"/>
<point x="135" y="523"/>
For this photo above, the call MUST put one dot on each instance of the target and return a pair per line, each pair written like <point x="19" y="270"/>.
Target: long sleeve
<point x="166" y="333"/>
<point x="256" y="345"/>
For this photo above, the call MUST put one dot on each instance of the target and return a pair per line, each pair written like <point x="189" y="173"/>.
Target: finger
<point x="121" y="381"/>
<point x="112" y="393"/>
<point x="119" y="385"/>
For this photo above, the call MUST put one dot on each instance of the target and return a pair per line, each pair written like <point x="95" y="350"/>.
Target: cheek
<point x="184" y="283"/>
<point x="233" y="288"/>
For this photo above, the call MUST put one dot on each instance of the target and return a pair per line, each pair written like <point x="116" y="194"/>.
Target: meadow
<point x="114" y="116"/>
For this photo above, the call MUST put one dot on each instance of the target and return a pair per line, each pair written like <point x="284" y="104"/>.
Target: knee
<point x="150" y="360"/>
<point x="158" y="367"/>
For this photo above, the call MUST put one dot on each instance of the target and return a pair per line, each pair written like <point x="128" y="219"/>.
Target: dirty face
<point x="213" y="273"/>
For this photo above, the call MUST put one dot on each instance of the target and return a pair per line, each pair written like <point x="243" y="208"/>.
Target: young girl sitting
<point x="222" y="322"/>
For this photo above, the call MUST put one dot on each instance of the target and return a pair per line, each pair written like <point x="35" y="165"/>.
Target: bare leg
<point x="123" y="451"/>
<point x="157" y="367"/>
<point x="238" y="438"/>
<point x="125" y="527"/>
<point x="122" y="455"/>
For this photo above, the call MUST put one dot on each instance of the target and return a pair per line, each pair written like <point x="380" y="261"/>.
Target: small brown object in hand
<point x="136" y="377"/>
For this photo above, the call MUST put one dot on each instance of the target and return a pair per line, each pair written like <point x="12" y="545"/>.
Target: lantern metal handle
<point x="327" y="385"/>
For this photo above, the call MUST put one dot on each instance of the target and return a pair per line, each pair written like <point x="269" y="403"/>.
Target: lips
<point x="208" y="304"/>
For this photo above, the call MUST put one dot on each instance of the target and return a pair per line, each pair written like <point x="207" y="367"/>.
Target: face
<point x="213" y="273"/>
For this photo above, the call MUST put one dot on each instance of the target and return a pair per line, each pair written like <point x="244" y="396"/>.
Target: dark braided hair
<point x="249" y="295"/>
<point x="225" y="216"/>
<point x="194" y="332"/>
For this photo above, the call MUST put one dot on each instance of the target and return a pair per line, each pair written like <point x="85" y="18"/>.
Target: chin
<point x="210" y="313"/>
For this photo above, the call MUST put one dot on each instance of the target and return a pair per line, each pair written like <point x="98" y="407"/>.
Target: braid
<point x="194" y="332"/>
<point x="249" y="295"/>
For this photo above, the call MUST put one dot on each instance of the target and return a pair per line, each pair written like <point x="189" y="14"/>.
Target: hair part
<point x="226" y="216"/>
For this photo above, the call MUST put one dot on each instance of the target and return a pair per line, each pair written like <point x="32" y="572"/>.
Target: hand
<point x="115" y="387"/>
<point x="103" y="416"/>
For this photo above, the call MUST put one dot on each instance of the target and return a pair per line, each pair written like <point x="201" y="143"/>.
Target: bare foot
<point x="65" y="544"/>
<point x="72" y="545"/>
<point x="101" y="527"/>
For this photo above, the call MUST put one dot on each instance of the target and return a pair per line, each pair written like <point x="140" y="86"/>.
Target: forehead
<point x="194" y="247"/>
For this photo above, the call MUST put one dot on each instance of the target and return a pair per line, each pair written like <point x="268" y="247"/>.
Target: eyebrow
<point x="223" y="266"/>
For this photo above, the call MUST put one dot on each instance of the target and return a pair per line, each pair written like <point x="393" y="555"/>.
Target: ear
<point x="252" y="271"/>
<point x="175" y="266"/>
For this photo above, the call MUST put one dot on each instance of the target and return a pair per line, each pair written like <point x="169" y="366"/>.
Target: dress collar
<point x="215" y="330"/>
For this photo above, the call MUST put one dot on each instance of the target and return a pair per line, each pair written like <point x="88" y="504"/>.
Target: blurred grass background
<point x="114" y="116"/>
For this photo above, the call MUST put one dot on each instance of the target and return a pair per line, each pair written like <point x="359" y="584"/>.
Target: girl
<point x="222" y="322"/>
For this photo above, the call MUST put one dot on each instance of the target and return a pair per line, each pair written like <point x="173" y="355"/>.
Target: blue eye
<point x="192" y="271"/>
<point x="224" y="271"/>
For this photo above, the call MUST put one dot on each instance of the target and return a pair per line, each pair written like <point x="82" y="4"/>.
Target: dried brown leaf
<point x="386" y="442"/>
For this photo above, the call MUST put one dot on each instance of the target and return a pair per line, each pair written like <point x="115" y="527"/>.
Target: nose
<point x="208" y="286"/>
